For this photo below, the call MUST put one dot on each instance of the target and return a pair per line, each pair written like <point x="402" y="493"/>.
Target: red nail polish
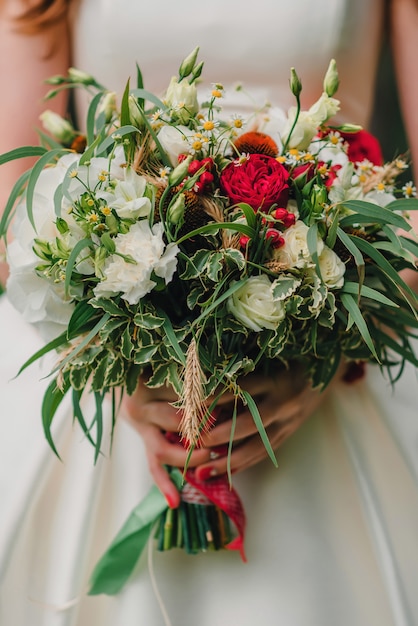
<point x="170" y="501"/>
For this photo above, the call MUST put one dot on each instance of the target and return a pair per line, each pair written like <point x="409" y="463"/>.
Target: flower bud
<point x="349" y="128"/>
<point x="179" y="172"/>
<point x="295" y="83"/>
<point x="108" y="242"/>
<point x="182" y="98"/>
<point x="197" y="71"/>
<point x="112" y="224"/>
<point x="318" y="198"/>
<point x="42" y="249"/>
<point x="57" y="126"/>
<point x="176" y="209"/>
<point x="77" y="76"/>
<point x="134" y="112"/>
<point x="188" y="63"/>
<point x="108" y="105"/>
<point x="62" y="226"/>
<point x="331" y="80"/>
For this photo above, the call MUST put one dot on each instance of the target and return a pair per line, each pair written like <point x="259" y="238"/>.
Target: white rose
<point x="146" y="247"/>
<point x="332" y="268"/>
<point x="254" y="306"/>
<point x="295" y="251"/>
<point x="127" y="197"/>
<point x="174" y="141"/>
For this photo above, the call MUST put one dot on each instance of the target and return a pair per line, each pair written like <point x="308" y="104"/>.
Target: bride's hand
<point x="283" y="408"/>
<point x="152" y="415"/>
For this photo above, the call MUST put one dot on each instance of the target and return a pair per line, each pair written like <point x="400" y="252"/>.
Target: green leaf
<point x="75" y="252"/>
<point x="403" y="204"/>
<point x="51" y="401"/>
<point x="125" y="118"/>
<point x="89" y="153"/>
<point x="249" y="214"/>
<point x="21" y="153"/>
<point x="259" y="423"/>
<point x="118" y="562"/>
<point x="367" y="292"/>
<point x="351" y="305"/>
<point x="332" y="231"/>
<point x="91" y="117"/>
<point x="148" y="320"/>
<point x="143" y="355"/>
<point x="148" y="97"/>
<point x="80" y="317"/>
<point x="109" y="306"/>
<point x="384" y="265"/>
<point x="312" y="241"/>
<point x="353" y="249"/>
<point x="86" y="340"/>
<point x="52" y="345"/>
<point x="109" y="142"/>
<point x="373" y="214"/>
<point x="284" y="286"/>
<point x="213" y="228"/>
<point x="14" y="195"/>
<point x="34" y="175"/>
<point x="127" y="345"/>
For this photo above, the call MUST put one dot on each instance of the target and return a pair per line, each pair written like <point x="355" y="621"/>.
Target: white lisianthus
<point x="328" y="153"/>
<point x="174" y="140"/>
<point x="295" y="251"/>
<point x="324" y="108"/>
<point x="254" y="306"/>
<point x="182" y="97"/>
<point x="127" y="196"/>
<point x="146" y="247"/>
<point x="308" y="122"/>
<point x="332" y="268"/>
<point x="304" y="131"/>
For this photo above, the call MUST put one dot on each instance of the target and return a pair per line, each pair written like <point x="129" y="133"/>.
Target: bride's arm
<point x="26" y="61"/>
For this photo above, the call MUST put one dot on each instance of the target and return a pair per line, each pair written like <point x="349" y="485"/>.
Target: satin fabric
<point x="332" y="533"/>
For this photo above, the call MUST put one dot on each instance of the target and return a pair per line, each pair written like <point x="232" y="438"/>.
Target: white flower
<point x="41" y="302"/>
<point x="308" y="122"/>
<point x="127" y="197"/>
<point x="149" y="253"/>
<point x="174" y="140"/>
<point x="295" y="251"/>
<point x="324" y="108"/>
<point x="332" y="268"/>
<point x="254" y="306"/>
<point x="304" y="131"/>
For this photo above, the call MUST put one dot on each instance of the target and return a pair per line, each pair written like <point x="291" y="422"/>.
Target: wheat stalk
<point x="194" y="419"/>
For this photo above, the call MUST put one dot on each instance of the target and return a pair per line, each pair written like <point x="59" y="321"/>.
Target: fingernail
<point x="206" y="472"/>
<point x="170" y="501"/>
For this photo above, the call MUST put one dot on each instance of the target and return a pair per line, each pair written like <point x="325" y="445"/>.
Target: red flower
<point x="363" y="145"/>
<point x="259" y="180"/>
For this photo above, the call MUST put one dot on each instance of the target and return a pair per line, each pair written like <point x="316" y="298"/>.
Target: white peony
<point x="127" y="197"/>
<point x="174" y="140"/>
<point x="150" y="254"/>
<point x="332" y="268"/>
<point x="295" y="251"/>
<point x="254" y="306"/>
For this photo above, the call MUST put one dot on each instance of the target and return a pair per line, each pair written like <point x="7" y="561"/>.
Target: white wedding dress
<point x="332" y="534"/>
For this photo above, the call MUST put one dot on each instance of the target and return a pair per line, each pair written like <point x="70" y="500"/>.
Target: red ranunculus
<point x="363" y="145"/>
<point x="259" y="180"/>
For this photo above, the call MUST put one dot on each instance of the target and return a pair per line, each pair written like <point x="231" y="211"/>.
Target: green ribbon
<point x="117" y="563"/>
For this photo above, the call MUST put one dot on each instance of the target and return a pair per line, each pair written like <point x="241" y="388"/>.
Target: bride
<point x="332" y="533"/>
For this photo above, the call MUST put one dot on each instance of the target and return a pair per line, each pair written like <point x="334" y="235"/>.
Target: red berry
<point x="181" y="157"/>
<point x="207" y="163"/>
<point x="243" y="241"/>
<point x="280" y="214"/>
<point x="194" y="167"/>
<point x="206" y="178"/>
<point x="289" y="220"/>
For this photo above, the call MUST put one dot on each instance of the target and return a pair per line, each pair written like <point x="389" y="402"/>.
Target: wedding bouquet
<point x="173" y="242"/>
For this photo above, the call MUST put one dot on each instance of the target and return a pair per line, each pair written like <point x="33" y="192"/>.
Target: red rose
<point x="363" y="145"/>
<point x="259" y="180"/>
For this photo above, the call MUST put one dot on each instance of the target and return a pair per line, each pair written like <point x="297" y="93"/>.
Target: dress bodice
<point x="255" y="48"/>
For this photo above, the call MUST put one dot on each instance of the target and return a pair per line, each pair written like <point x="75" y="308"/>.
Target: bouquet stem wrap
<point x="202" y="522"/>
